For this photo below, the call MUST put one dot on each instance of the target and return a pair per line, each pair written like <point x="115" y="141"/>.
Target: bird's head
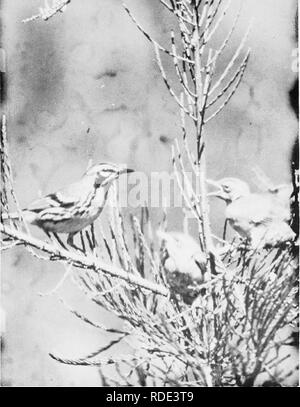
<point x="183" y="251"/>
<point x="229" y="189"/>
<point x="105" y="173"/>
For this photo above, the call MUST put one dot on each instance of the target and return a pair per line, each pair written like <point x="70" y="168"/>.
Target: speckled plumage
<point x="71" y="209"/>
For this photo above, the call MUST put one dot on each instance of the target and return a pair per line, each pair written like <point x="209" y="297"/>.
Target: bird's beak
<point x="125" y="170"/>
<point x="216" y="185"/>
<point x="115" y="175"/>
<point x="128" y="170"/>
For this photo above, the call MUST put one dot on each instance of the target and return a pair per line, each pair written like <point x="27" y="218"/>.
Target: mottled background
<point x="90" y="68"/>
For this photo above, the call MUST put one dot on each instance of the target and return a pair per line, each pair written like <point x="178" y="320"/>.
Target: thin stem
<point x="83" y="261"/>
<point x="155" y="43"/>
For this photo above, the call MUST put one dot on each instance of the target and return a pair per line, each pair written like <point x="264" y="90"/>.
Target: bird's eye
<point x="226" y="188"/>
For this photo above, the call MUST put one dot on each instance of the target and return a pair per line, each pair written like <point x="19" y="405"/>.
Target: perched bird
<point x="260" y="217"/>
<point x="71" y="209"/>
<point x="184" y="263"/>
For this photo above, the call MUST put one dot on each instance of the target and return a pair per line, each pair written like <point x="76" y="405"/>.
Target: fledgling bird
<point x="183" y="254"/>
<point x="260" y="217"/>
<point x="78" y="205"/>
<point x="184" y="263"/>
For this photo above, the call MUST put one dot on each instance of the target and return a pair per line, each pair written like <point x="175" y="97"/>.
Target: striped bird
<point x="260" y="217"/>
<point x="71" y="209"/>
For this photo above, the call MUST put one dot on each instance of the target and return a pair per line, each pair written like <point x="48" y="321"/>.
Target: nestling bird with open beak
<point x="260" y="217"/>
<point x="78" y="205"/>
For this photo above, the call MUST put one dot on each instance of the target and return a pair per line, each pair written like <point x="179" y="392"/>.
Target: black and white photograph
<point x="149" y="195"/>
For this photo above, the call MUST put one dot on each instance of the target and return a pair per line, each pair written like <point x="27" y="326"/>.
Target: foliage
<point x="222" y="331"/>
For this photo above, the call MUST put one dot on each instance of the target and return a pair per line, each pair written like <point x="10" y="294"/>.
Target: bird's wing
<point x="276" y="234"/>
<point x="49" y="201"/>
<point x="64" y="198"/>
<point x="255" y="209"/>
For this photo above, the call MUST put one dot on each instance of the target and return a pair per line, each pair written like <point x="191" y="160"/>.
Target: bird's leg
<point x="91" y="238"/>
<point x="82" y="241"/>
<point x="59" y="240"/>
<point x="56" y="237"/>
<point x="70" y="242"/>
<point x="49" y="235"/>
<point x="93" y="235"/>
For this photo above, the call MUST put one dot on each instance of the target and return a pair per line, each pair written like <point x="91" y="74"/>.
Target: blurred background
<point x="85" y="85"/>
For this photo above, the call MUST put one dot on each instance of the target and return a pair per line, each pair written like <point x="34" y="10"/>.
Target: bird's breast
<point x="240" y="222"/>
<point x="99" y="199"/>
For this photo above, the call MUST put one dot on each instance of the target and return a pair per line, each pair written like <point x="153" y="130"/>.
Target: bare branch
<point x="220" y="19"/>
<point x="83" y="261"/>
<point x="164" y="76"/>
<point x="94" y="324"/>
<point x="226" y="101"/>
<point x="219" y="52"/>
<point x="189" y="154"/>
<point x="181" y="75"/>
<point x="155" y="43"/>
<point x="231" y="63"/>
<point x="85" y="361"/>
<point x="170" y="8"/>
<point x="47" y="12"/>
<point x="238" y="72"/>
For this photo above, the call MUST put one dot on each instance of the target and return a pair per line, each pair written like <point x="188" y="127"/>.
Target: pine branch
<point x="88" y="261"/>
<point x="58" y="6"/>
